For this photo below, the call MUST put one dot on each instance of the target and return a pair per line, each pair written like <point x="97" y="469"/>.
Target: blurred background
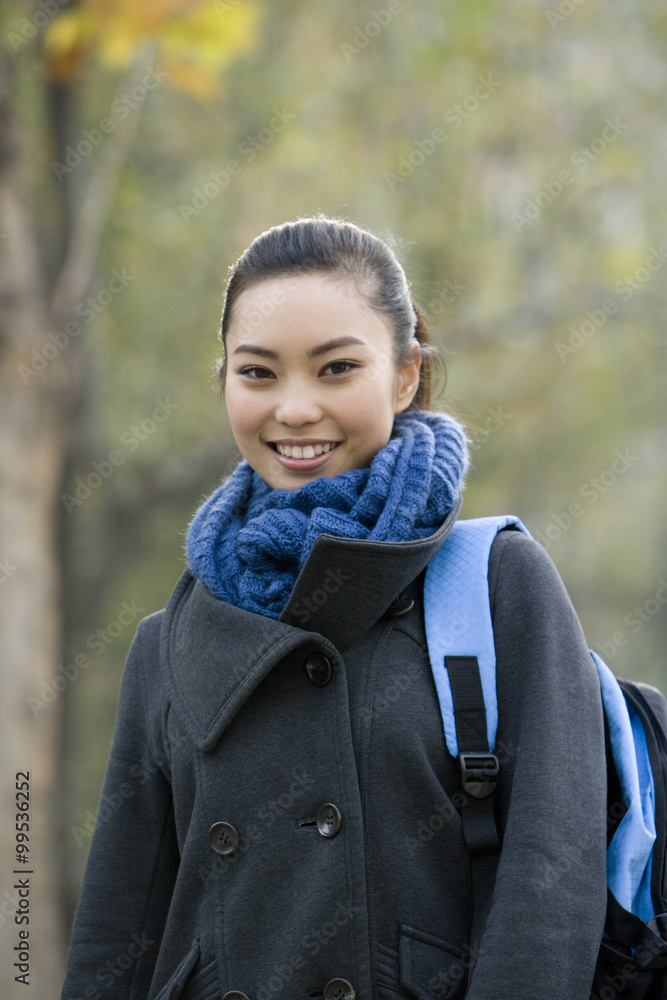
<point x="516" y="154"/>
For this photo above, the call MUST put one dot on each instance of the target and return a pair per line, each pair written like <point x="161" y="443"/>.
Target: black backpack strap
<point x="479" y="774"/>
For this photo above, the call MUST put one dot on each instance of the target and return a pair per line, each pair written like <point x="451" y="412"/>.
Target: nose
<point x="297" y="405"/>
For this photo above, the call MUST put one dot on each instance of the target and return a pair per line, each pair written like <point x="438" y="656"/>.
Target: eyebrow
<point x="314" y="352"/>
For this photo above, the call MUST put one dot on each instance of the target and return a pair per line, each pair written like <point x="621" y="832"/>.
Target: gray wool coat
<point x="276" y="820"/>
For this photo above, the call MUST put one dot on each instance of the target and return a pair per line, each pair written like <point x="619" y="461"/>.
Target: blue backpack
<point x="459" y="634"/>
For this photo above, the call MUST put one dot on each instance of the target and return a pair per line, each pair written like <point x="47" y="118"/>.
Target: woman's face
<point x="311" y="384"/>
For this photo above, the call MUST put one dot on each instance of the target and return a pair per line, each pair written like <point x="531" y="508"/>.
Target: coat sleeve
<point x="547" y="915"/>
<point x="133" y="857"/>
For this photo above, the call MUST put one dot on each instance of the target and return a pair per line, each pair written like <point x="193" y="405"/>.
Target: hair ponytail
<point x="432" y="364"/>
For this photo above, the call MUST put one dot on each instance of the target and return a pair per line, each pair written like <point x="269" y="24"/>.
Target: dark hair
<point x="324" y="245"/>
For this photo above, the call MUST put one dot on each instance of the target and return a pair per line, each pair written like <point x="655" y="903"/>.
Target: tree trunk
<point x="36" y="382"/>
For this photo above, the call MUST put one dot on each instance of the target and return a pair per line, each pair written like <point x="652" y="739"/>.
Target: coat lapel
<point x="213" y="654"/>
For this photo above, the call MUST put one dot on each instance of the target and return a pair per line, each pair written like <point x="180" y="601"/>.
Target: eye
<point x="343" y="367"/>
<point x="256" y="373"/>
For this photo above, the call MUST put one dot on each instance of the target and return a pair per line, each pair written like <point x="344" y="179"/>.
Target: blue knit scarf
<point x="247" y="542"/>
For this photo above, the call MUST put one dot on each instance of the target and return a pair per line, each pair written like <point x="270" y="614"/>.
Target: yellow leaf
<point x="198" y="38"/>
<point x="210" y="40"/>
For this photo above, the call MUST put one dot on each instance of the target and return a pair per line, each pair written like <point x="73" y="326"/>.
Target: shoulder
<point x="144" y="657"/>
<point x="521" y="570"/>
<point x="547" y="685"/>
<point x="147" y="638"/>
<point x="535" y="622"/>
<point x="143" y="700"/>
<point x="533" y="616"/>
<point x="144" y="654"/>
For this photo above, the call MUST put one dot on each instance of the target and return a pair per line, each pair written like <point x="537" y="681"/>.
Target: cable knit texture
<point x="248" y="542"/>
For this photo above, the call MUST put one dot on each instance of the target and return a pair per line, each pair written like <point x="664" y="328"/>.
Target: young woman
<point x="279" y="818"/>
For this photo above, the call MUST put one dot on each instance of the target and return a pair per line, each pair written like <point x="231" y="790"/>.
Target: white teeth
<point x="308" y="450"/>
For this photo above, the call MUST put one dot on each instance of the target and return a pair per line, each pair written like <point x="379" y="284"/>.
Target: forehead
<point x="312" y="305"/>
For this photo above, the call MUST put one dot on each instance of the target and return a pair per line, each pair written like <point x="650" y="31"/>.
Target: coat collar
<point x="347" y="584"/>
<point x="213" y="654"/>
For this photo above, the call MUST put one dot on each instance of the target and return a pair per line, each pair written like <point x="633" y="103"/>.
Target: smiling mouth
<point x="305" y="451"/>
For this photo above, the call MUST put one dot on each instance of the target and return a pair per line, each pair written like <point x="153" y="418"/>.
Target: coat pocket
<point x="174" y="987"/>
<point x="430" y="968"/>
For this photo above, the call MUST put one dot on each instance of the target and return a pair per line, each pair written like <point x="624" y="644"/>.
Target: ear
<point x="407" y="378"/>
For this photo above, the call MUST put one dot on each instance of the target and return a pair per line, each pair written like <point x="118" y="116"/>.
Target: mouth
<point x="304" y="456"/>
<point x="310" y="450"/>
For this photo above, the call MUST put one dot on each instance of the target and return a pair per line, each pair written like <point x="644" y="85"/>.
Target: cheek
<point x="369" y="424"/>
<point x="372" y="401"/>
<point x="242" y="408"/>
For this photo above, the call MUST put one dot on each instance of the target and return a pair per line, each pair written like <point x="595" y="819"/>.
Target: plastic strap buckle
<point x="479" y="772"/>
<point x="657" y="947"/>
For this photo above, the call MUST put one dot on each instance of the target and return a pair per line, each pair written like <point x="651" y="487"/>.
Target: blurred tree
<point x="49" y="264"/>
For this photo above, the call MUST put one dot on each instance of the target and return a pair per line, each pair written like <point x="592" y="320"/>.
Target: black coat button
<point x="401" y="605"/>
<point x="318" y="668"/>
<point x="223" y="839"/>
<point x="339" y="989"/>
<point x="328" y="820"/>
<point x="234" y="995"/>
